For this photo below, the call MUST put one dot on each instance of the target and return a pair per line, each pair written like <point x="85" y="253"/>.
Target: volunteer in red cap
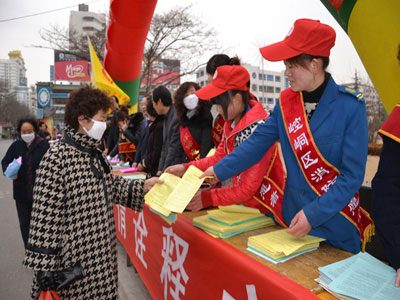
<point x="323" y="131"/>
<point x="229" y="91"/>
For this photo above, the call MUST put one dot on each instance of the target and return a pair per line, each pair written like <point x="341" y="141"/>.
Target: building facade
<point x="13" y="76"/>
<point x="51" y="100"/>
<point x="84" y="23"/>
<point x="265" y="85"/>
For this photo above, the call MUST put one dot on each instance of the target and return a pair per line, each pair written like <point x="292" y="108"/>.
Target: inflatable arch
<point x="373" y="26"/>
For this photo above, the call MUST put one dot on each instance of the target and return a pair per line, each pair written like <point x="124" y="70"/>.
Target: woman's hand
<point x="299" y="226"/>
<point x="149" y="183"/>
<point x="177" y="170"/>
<point x="397" y="282"/>
<point x="124" y="125"/>
<point x="134" y="165"/>
<point x="195" y="204"/>
<point x="213" y="179"/>
<point x="140" y="168"/>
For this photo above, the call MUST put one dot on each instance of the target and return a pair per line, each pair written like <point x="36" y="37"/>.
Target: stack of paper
<point x="279" y="246"/>
<point x="175" y="193"/>
<point x="231" y="220"/>
<point x="360" y="277"/>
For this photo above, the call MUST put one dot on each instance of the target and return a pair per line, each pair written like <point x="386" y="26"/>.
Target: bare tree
<point x="70" y="42"/>
<point x="176" y="35"/>
<point x="11" y="110"/>
<point x="376" y="113"/>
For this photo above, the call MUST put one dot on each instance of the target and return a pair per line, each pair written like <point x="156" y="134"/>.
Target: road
<point x="15" y="280"/>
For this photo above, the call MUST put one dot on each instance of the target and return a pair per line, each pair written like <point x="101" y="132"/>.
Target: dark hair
<point x="179" y="95"/>
<point x="150" y="109"/>
<point x="41" y="123"/>
<point x="225" y="98"/>
<point x="300" y="60"/>
<point x="119" y="116"/>
<point x="124" y="109"/>
<point x="148" y="98"/>
<point x="161" y="92"/>
<point x="218" y="60"/>
<point x="28" y="119"/>
<point x="85" y="101"/>
<point x="116" y="98"/>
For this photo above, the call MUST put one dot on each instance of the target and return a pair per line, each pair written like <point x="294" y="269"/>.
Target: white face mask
<point x="97" y="129"/>
<point x="191" y="101"/>
<point x="28" y="138"/>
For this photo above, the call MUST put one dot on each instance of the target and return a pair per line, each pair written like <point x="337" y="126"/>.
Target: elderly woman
<point x="31" y="148"/>
<point x="72" y="217"/>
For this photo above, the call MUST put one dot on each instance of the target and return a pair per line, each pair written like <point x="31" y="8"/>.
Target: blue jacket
<point x="340" y="130"/>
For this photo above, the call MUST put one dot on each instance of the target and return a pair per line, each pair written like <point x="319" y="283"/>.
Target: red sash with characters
<point x="270" y="195"/>
<point x="218" y="130"/>
<point x="318" y="172"/>
<point x="127" y="148"/>
<point x="191" y="147"/>
<point x="391" y="127"/>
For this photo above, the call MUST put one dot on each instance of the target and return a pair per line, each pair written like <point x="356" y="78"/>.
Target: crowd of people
<point x="321" y="127"/>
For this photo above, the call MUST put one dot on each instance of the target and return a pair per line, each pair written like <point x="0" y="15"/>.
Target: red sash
<point x="191" y="147"/>
<point x="127" y="148"/>
<point x="218" y="129"/>
<point x="270" y="195"/>
<point x="391" y="127"/>
<point x="318" y="172"/>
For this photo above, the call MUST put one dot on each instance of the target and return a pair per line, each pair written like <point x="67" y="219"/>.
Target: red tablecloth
<point x="180" y="261"/>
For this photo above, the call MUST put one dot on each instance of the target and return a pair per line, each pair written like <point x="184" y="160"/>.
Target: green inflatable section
<point x="131" y="88"/>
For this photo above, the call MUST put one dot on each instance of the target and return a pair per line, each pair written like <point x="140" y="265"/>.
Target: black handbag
<point x="59" y="279"/>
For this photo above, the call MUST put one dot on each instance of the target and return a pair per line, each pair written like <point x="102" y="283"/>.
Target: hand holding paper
<point x="175" y="193"/>
<point x="210" y="175"/>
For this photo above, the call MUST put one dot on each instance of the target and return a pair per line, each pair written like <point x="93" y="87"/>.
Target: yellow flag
<point x="101" y="80"/>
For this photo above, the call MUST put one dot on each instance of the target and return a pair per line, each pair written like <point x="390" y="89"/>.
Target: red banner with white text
<point x="180" y="261"/>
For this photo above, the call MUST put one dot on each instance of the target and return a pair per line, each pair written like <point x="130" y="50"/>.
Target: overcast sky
<point x="242" y="27"/>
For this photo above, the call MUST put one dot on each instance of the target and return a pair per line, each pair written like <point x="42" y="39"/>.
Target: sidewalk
<point x="131" y="286"/>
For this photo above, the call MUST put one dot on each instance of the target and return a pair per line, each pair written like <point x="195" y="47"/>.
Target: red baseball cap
<point x="306" y="36"/>
<point x="225" y="78"/>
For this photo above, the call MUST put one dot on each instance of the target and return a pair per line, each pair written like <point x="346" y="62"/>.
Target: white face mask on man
<point x="97" y="129"/>
<point x="28" y="138"/>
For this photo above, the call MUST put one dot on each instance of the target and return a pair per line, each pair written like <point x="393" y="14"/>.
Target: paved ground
<point x="15" y="280"/>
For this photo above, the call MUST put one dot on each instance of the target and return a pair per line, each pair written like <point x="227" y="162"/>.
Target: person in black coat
<point x="196" y="116"/>
<point x="150" y="162"/>
<point x="31" y="147"/>
<point x="114" y="132"/>
<point x="132" y="130"/>
<point x="141" y="150"/>
<point x="386" y="192"/>
<point x="43" y="131"/>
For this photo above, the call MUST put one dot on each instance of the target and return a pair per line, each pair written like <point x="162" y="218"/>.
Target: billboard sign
<point x="43" y="96"/>
<point x="70" y="67"/>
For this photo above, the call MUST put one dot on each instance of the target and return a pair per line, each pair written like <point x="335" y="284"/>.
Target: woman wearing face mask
<point x="31" y="147"/>
<point x="195" y="122"/>
<point x="229" y="91"/>
<point x="323" y="131"/>
<point x="72" y="216"/>
<point x="213" y="63"/>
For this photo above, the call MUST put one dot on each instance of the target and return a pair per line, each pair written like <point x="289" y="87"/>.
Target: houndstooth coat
<point x="73" y="220"/>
